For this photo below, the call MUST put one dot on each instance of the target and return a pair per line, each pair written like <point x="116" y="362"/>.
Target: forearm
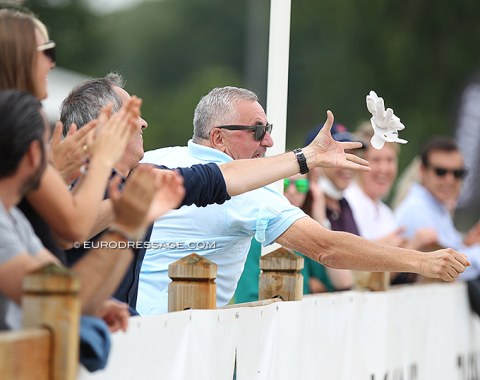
<point x="342" y="250"/>
<point x="245" y="175"/>
<point x="71" y="217"/>
<point x="101" y="271"/>
<point x="104" y="218"/>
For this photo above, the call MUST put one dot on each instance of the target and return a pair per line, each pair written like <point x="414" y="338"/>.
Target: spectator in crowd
<point x="27" y="56"/>
<point x="23" y="160"/>
<point x="375" y="219"/>
<point x="202" y="186"/>
<point x="333" y="213"/>
<point x="230" y="124"/>
<point x="431" y="203"/>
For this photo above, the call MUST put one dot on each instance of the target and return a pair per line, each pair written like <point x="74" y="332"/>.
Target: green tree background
<point x="415" y="54"/>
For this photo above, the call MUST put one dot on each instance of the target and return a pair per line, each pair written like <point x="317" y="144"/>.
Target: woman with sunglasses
<point x="27" y="55"/>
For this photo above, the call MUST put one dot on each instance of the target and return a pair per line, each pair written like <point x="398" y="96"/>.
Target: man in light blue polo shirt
<point x="230" y="124"/>
<point x="431" y="203"/>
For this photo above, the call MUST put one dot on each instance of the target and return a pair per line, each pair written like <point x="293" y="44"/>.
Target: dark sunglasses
<point x="302" y="185"/>
<point x="260" y="130"/>
<point x="48" y="48"/>
<point x="457" y="173"/>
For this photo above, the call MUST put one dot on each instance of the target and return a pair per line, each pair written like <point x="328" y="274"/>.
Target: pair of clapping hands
<point x="104" y="138"/>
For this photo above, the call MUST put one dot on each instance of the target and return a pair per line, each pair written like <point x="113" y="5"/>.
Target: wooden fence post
<point x="375" y="281"/>
<point x="281" y="276"/>
<point x="193" y="284"/>
<point x="51" y="300"/>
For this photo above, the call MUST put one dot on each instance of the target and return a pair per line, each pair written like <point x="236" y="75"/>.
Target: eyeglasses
<point x="260" y="130"/>
<point x="301" y="185"/>
<point x="48" y="48"/>
<point x="457" y="173"/>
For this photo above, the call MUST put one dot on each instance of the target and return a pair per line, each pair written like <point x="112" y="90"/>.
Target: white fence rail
<point x="409" y="333"/>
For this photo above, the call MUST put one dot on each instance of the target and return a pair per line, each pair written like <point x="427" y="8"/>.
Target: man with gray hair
<point x="230" y="124"/>
<point x="204" y="184"/>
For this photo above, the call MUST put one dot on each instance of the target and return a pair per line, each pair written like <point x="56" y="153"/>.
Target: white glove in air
<point x="385" y="124"/>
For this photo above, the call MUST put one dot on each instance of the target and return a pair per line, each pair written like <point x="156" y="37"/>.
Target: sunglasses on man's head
<point x="457" y="173"/>
<point x="260" y="130"/>
<point x="48" y="48"/>
<point x="301" y="185"/>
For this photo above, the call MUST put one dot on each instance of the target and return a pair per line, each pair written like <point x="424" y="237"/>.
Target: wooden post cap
<point x="193" y="266"/>
<point x="282" y="259"/>
<point x="51" y="278"/>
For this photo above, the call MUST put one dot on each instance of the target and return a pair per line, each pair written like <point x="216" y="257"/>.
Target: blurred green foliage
<point x="417" y="55"/>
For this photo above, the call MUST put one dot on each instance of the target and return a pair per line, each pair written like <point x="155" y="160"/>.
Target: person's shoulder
<point x="158" y="155"/>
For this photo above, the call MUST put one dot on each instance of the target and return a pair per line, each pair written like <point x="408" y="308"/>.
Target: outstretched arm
<point x="347" y="251"/>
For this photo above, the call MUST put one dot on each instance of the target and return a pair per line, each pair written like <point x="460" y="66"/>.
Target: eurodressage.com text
<point x="199" y="245"/>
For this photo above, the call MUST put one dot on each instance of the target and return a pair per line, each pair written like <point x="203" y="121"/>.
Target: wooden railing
<point x="47" y="345"/>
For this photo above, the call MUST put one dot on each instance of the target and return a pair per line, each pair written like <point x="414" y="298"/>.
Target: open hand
<point x="69" y="154"/>
<point x="331" y="154"/>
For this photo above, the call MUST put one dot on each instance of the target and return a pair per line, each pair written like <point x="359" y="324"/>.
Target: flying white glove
<point x="385" y="124"/>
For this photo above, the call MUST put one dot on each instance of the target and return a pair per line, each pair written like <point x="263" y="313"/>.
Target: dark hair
<point x="444" y="144"/>
<point x="21" y="122"/>
<point x="85" y="101"/>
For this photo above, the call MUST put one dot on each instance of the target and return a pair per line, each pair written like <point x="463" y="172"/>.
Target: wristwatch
<point x="302" y="161"/>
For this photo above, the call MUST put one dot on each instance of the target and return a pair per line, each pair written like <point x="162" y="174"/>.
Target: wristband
<point x="302" y="161"/>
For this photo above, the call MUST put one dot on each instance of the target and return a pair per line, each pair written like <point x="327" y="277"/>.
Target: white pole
<point x="277" y="82"/>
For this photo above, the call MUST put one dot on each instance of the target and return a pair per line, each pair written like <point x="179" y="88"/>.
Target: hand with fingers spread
<point x="114" y="131"/>
<point x="446" y="264"/>
<point x="326" y="152"/>
<point x="69" y="154"/>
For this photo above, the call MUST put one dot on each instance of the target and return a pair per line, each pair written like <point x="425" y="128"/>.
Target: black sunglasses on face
<point x="457" y="173"/>
<point x="260" y="130"/>
<point x="48" y="48"/>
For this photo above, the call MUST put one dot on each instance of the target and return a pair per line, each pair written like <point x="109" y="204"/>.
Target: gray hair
<point x="217" y="108"/>
<point x="85" y="101"/>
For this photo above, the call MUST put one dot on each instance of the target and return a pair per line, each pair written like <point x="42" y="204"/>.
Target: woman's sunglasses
<point x="260" y="130"/>
<point x="301" y="185"/>
<point x="48" y="48"/>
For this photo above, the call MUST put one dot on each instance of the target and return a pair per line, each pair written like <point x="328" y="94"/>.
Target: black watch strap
<point x="302" y="161"/>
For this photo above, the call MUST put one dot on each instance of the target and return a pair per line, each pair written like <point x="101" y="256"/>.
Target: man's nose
<point x="267" y="140"/>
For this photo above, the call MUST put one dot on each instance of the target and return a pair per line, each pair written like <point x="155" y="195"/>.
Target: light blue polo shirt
<point x="220" y="233"/>
<point x="420" y="209"/>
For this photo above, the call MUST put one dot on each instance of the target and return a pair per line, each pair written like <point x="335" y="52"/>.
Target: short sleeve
<point x="16" y="235"/>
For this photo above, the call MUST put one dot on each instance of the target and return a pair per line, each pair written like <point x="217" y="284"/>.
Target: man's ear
<point x="217" y="140"/>
<point x="34" y="153"/>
